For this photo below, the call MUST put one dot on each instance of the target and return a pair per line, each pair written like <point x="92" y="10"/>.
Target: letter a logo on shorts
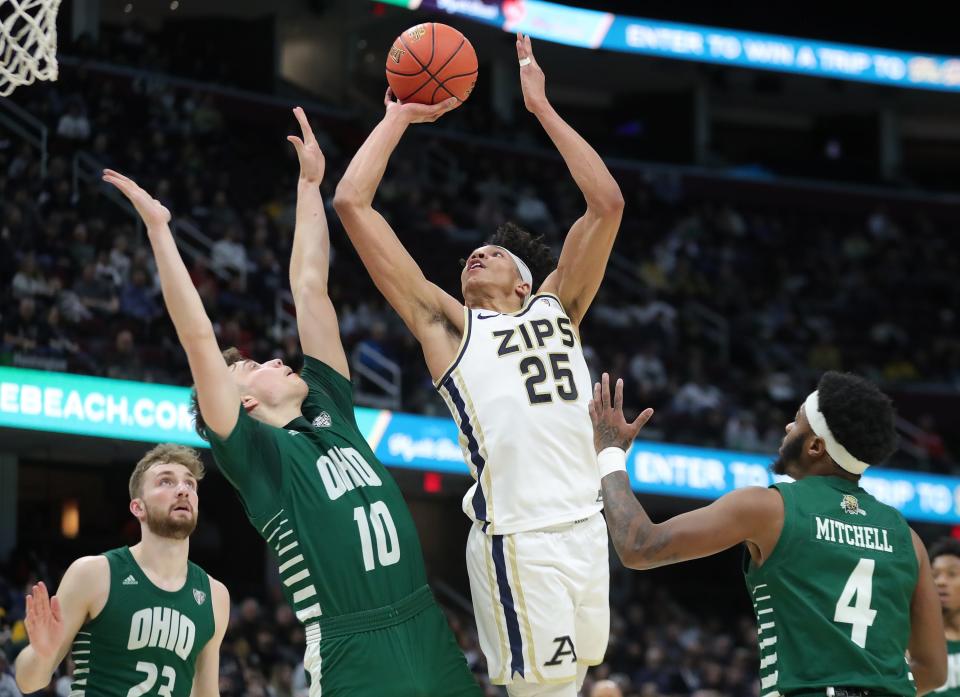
<point x="564" y="648"/>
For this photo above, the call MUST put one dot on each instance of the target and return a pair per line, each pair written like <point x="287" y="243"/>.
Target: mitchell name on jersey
<point x="519" y="390"/>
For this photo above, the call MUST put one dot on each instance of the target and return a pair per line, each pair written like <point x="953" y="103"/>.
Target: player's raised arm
<point x="206" y="680"/>
<point x="587" y="246"/>
<point x="928" y="651"/>
<point x="421" y="304"/>
<point x="218" y="395"/>
<point x="52" y="623"/>
<point x="310" y="258"/>
<point x="744" y="515"/>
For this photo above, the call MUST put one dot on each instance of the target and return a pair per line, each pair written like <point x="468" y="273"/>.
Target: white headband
<point x="524" y="270"/>
<point x="818" y="423"/>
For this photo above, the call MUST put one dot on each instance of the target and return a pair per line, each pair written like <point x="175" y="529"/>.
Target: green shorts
<point x="404" y="650"/>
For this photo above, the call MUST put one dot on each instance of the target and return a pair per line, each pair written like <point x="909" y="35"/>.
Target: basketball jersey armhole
<point x="111" y="559"/>
<point x="783" y="543"/>
<point x="462" y="349"/>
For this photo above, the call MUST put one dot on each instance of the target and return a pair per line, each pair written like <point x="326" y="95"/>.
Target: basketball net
<point x="28" y="42"/>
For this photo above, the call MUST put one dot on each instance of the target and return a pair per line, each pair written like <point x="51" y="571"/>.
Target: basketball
<point x="431" y="62"/>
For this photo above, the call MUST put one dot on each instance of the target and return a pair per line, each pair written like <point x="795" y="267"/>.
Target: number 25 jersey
<point x="519" y="391"/>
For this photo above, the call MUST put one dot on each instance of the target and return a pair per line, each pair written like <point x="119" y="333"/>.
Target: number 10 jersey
<point x="519" y="391"/>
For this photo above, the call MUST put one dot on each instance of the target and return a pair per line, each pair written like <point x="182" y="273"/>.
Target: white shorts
<point x="541" y="600"/>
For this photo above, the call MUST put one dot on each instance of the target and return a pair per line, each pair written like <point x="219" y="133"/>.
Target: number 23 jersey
<point x="519" y="391"/>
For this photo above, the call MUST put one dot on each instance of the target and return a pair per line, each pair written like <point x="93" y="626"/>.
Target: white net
<point x="28" y="42"/>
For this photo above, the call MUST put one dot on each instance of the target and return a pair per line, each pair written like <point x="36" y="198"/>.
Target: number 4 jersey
<point x="833" y="599"/>
<point x="519" y="391"/>
<point x="146" y="640"/>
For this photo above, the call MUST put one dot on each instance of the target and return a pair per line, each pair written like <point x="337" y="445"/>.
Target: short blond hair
<point x="165" y="454"/>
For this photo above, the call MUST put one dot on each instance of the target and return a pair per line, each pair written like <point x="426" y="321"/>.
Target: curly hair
<point x="533" y="250"/>
<point x="860" y="416"/>
<point x="945" y="546"/>
<point x="230" y="356"/>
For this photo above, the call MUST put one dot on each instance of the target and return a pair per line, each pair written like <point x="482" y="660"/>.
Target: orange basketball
<point x="431" y="62"/>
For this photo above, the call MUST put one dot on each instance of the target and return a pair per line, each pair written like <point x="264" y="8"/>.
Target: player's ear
<point x="817" y="447"/>
<point x="138" y="508"/>
<point x="522" y="290"/>
<point x="249" y="403"/>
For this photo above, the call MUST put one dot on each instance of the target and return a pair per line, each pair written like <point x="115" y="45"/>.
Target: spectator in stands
<point x="606" y="688"/>
<point x="137" y="299"/>
<point x="29" y="280"/>
<point x="228" y="254"/>
<point x="649" y="374"/>
<point x="8" y="686"/>
<point x="740" y="432"/>
<point x="222" y="213"/>
<point x="21" y="331"/>
<point x="930" y="442"/>
<point x="80" y="250"/>
<point x="56" y="337"/>
<point x="74" y="125"/>
<point x="697" y="395"/>
<point x="532" y="213"/>
<point x="96" y="293"/>
<point x="206" y="117"/>
<point x="123" y="362"/>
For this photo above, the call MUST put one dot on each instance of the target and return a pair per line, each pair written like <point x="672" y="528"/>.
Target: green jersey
<point x="833" y="599"/>
<point x="146" y="640"/>
<point x="952" y="687"/>
<point x="343" y="537"/>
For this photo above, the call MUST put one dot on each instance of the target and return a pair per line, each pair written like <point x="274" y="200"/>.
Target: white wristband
<point x="611" y="460"/>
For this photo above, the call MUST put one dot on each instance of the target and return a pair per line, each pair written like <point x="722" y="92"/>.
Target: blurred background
<point x="791" y="180"/>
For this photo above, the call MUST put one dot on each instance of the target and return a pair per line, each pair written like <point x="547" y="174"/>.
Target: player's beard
<point x="162" y="524"/>
<point x="790" y="455"/>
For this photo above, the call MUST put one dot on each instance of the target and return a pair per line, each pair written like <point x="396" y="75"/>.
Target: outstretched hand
<point x="412" y="112"/>
<point x="610" y="428"/>
<point x="44" y="622"/>
<point x="532" y="79"/>
<point x="154" y="213"/>
<point x="312" y="162"/>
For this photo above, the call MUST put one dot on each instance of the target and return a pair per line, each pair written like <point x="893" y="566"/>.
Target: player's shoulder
<point x="759" y="494"/>
<point x="88" y="578"/>
<point x="94" y="566"/>
<point x="756" y="500"/>
<point x="219" y="591"/>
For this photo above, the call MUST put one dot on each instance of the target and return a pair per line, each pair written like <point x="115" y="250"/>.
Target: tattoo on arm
<point x="608" y="435"/>
<point x="633" y="533"/>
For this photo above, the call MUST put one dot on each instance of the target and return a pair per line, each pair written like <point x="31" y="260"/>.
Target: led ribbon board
<point x="136" y="411"/>
<point x="585" y="28"/>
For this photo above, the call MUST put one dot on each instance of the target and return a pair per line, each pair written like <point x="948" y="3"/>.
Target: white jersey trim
<point x="467" y="321"/>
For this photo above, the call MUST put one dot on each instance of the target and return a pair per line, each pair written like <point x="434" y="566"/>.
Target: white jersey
<point x="519" y="391"/>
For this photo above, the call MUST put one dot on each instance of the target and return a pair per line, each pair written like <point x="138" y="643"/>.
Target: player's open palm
<point x="312" y="162"/>
<point x="610" y="428"/>
<point x="532" y="79"/>
<point x="419" y="113"/>
<point x="154" y="213"/>
<point x="44" y="622"/>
